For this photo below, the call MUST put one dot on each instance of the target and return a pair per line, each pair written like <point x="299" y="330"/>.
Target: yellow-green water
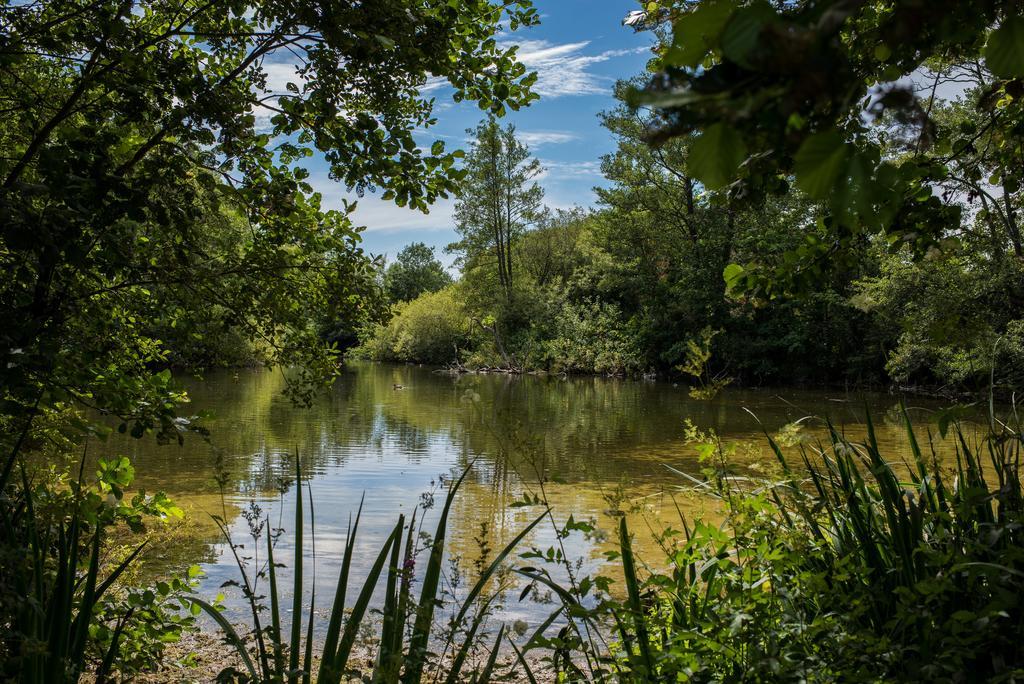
<point x="390" y="432"/>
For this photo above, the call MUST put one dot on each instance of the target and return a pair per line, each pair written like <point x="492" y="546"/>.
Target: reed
<point x="848" y="566"/>
<point x="395" y="660"/>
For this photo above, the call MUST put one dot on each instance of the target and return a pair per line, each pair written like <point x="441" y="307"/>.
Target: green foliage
<point x="698" y="355"/>
<point x="591" y="337"/>
<point x="626" y="288"/>
<point x="499" y="200"/>
<point x="846" y="567"/>
<point x="65" y="610"/>
<point x="433" y="328"/>
<point x="715" y="155"/>
<point x="1003" y="52"/>
<point x="818" y="164"/>
<point x="395" y="660"/>
<point x="155" y="212"/>
<point x="150" y="180"/>
<point x="415" y="271"/>
<point x="956" y="316"/>
<point x="816" y="93"/>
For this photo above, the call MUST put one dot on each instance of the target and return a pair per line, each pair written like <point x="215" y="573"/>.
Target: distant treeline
<point x="641" y="284"/>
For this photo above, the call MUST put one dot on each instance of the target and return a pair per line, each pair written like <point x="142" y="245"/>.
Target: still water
<point x="394" y="433"/>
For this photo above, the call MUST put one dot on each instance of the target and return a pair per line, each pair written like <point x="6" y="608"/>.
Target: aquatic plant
<point x="849" y="567"/>
<point x="395" y="659"/>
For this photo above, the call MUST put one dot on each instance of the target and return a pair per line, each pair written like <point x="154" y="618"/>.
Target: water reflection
<point x="392" y="432"/>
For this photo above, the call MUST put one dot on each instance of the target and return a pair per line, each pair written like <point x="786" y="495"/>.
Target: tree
<point x="815" y="94"/>
<point x="415" y="271"/>
<point x="129" y="127"/>
<point x="499" y="201"/>
<point x="150" y="185"/>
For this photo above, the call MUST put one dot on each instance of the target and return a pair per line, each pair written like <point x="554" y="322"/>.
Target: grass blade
<point x="460" y="658"/>
<point x="486" y="575"/>
<point x="275" y="605"/>
<point x="339" y="660"/>
<point x="385" y="669"/>
<point x="522" y="661"/>
<point x="229" y="633"/>
<point x="428" y="595"/>
<point x="485" y="676"/>
<point x="633" y="590"/>
<point x="307" y="662"/>
<point x="325" y="673"/>
<point x="293" y="647"/>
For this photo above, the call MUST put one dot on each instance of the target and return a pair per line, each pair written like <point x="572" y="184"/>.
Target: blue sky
<point x="579" y="50"/>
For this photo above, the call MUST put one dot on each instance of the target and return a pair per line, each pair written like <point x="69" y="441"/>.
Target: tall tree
<point x="499" y="201"/>
<point x="811" y="94"/>
<point x="416" y="270"/>
<point x="129" y="125"/>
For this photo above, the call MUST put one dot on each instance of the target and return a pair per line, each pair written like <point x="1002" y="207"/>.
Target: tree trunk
<point x="1011" y="225"/>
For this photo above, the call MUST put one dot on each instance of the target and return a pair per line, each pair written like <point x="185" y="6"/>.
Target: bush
<point x="958" y="318"/>
<point x="65" y="608"/>
<point x="591" y="337"/>
<point x="433" y="328"/>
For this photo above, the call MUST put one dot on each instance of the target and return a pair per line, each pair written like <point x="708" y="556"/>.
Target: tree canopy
<point x="415" y="271"/>
<point x="819" y="94"/>
<point x="131" y="130"/>
<point x="500" y="200"/>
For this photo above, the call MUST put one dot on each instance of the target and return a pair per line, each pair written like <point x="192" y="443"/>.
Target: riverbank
<point x="202" y="655"/>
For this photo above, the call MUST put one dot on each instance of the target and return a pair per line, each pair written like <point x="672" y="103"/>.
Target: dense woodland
<point x="795" y="198"/>
<point x="629" y="287"/>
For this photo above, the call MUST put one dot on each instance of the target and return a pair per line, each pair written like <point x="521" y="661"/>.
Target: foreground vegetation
<point x="801" y="215"/>
<point x="843" y="565"/>
<point x="847" y="567"/>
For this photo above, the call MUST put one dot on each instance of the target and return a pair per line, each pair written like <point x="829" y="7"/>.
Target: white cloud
<point x="279" y="75"/>
<point x="562" y="69"/>
<point x="387" y="217"/>
<point x="433" y="83"/>
<point x="540" y="138"/>
<point x="565" y="70"/>
<point x="565" y="170"/>
<point x="381" y="216"/>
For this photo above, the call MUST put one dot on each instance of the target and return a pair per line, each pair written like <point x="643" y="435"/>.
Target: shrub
<point x="64" y="609"/>
<point x="591" y="337"/>
<point x="956" y="319"/>
<point x="433" y="328"/>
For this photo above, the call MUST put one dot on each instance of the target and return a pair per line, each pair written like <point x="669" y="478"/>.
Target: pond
<point x="391" y="433"/>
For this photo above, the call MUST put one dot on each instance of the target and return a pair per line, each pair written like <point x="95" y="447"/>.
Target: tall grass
<point x="64" y="609"/>
<point x="847" y="567"/>
<point x="395" y="659"/>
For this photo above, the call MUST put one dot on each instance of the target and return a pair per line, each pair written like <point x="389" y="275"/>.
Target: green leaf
<point x="732" y="274"/>
<point x="1004" y="52"/>
<point x="697" y="32"/>
<point x="819" y="163"/>
<point x="716" y="155"/>
<point x="743" y="30"/>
